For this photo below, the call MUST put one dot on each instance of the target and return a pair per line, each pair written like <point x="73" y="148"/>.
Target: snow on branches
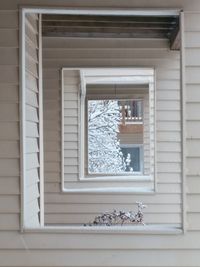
<point x="104" y="152"/>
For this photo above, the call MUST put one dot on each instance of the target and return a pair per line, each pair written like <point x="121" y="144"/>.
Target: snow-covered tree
<point x="104" y="152"/>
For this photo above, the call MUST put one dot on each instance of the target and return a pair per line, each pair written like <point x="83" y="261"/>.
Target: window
<point x="115" y="129"/>
<point x="115" y="138"/>
<point x="132" y="113"/>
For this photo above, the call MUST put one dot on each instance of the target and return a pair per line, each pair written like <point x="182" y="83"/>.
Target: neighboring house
<point x="49" y="64"/>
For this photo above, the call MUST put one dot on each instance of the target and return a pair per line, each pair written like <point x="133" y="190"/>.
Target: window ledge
<point x="118" y="229"/>
<point x="120" y="178"/>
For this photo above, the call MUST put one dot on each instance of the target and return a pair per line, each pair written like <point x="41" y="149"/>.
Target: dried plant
<point x="120" y="217"/>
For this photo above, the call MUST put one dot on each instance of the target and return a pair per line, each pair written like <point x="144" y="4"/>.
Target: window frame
<point x="135" y="175"/>
<point x="68" y="229"/>
<point x="82" y="127"/>
<point x="108" y="184"/>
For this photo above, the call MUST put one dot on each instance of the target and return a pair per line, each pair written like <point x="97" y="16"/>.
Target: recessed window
<point x="130" y="90"/>
<point x="119" y="126"/>
<point x="108" y="133"/>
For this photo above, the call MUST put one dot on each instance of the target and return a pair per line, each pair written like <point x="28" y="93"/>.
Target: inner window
<point x="117" y="130"/>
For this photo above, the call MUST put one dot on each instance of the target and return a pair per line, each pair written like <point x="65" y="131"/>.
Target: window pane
<point x="115" y="136"/>
<point x="133" y="154"/>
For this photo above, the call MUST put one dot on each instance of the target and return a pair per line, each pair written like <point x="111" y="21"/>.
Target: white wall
<point x="78" y="249"/>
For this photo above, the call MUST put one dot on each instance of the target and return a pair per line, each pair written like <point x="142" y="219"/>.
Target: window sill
<point x="130" y="229"/>
<point x="121" y="178"/>
<point x="111" y="190"/>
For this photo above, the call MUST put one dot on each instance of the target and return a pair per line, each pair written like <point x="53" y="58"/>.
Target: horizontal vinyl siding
<point x="192" y="55"/>
<point x="63" y="52"/>
<point x="71" y="103"/>
<point x="77" y="249"/>
<point x="9" y="124"/>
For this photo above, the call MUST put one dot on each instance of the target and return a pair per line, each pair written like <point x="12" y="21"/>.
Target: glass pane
<point x="134" y="154"/>
<point x="115" y="136"/>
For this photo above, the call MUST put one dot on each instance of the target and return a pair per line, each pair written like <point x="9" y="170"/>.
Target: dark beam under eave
<point x="103" y="24"/>
<point x="101" y="18"/>
<point x="104" y="33"/>
<point x="175" y="39"/>
<point x="93" y="26"/>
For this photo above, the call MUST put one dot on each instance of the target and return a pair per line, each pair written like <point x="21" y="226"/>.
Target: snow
<point x="104" y="152"/>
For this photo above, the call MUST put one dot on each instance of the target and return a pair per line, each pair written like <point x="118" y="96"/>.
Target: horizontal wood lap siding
<point x="192" y="55"/>
<point x="165" y="206"/>
<point x="77" y="249"/>
<point x="32" y="176"/>
<point x="9" y="123"/>
<point x="71" y="126"/>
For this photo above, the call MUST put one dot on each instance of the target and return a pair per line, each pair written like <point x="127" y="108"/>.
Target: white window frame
<point x="112" y="80"/>
<point x="142" y="184"/>
<point x="82" y="11"/>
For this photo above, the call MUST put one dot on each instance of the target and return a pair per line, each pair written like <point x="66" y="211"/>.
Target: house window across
<point x="131" y="111"/>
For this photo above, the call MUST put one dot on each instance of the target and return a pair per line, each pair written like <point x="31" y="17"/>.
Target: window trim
<point x="62" y="10"/>
<point x="82" y="179"/>
<point x="124" y="178"/>
<point x="120" y="176"/>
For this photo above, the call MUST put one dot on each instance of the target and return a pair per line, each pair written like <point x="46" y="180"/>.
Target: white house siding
<point x="9" y="123"/>
<point x="71" y="93"/>
<point x="64" y="52"/>
<point x="76" y="249"/>
<point x="192" y="55"/>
